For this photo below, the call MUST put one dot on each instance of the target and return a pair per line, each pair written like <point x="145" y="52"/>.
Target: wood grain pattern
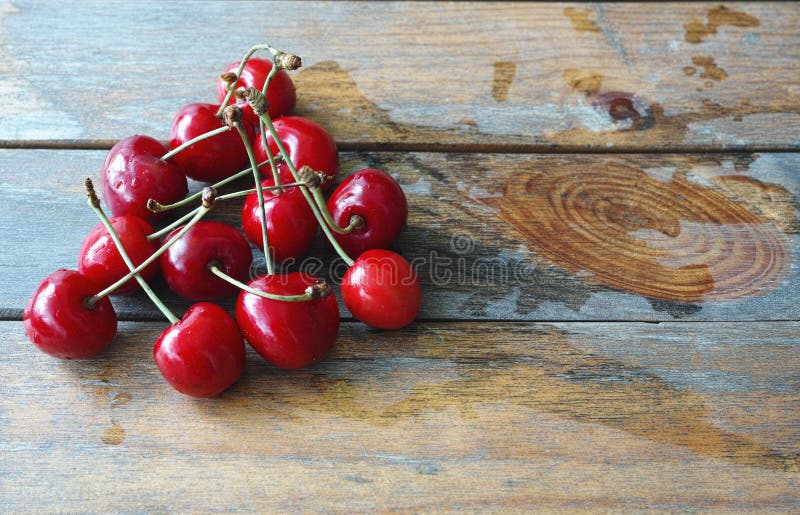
<point x="438" y="417"/>
<point x="472" y="75"/>
<point x="605" y="237"/>
<point x="572" y="171"/>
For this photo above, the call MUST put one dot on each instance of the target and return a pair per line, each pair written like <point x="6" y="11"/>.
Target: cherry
<point x="291" y="225"/>
<point x="377" y="198"/>
<point x="58" y="320"/>
<point x="100" y="259"/>
<point x="288" y="334"/>
<point x="212" y="159"/>
<point x="280" y="94"/>
<point x="133" y="173"/>
<point x="307" y="143"/>
<point x="185" y="265"/>
<point x="202" y="354"/>
<point x="382" y="290"/>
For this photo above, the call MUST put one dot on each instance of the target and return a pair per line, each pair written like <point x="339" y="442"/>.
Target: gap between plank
<point x="467" y="148"/>
<point x="15" y="315"/>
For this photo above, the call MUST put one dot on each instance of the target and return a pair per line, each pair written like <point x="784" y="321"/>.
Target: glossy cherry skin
<point x="307" y="143"/>
<point x="212" y="159"/>
<point x="382" y="290"/>
<point x="288" y="334"/>
<point x="185" y="264"/>
<point x="281" y="93"/>
<point x="133" y="173"/>
<point x="291" y="225"/>
<point x="100" y="259"/>
<point x="202" y="354"/>
<point x="377" y="198"/>
<point x="57" y="321"/>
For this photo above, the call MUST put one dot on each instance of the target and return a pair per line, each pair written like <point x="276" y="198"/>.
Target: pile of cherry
<point x="290" y="319"/>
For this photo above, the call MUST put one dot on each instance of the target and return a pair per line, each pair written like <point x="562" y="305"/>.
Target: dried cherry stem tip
<point x="257" y="100"/>
<point x="209" y="196"/>
<point x="286" y="61"/>
<point x="232" y="115"/>
<point x="201" y="212"/>
<point x="229" y="77"/>
<point x="316" y="291"/>
<point x="90" y="303"/>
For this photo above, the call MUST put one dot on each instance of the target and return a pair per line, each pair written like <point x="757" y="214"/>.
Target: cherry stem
<point x="308" y="295"/>
<point x="259" y="193"/>
<point x="161" y="232"/>
<point x="227" y="196"/>
<point x="94" y="203"/>
<point x="194" y="140"/>
<point x="155" y="207"/>
<point x="244" y="193"/>
<point x="275" y="175"/>
<point x="356" y="221"/>
<point x="311" y="202"/>
<point x="246" y="58"/>
<point x="209" y="195"/>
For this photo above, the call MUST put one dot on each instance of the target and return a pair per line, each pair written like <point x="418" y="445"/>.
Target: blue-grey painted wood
<point x="474" y="263"/>
<point x="439" y="416"/>
<point x="517" y="75"/>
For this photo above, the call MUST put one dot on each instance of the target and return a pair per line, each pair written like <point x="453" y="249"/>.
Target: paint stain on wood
<point x="105" y="375"/>
<point x="771" y="201"/>
<point x="672" y="240"/>
<point x="581" y="20"/>
<point x="344" y="107"/>
<point x="113" y="435"/>
<point x="717" y="17"/>
<point x="540" y="370"/>
<point x="504" y="72"/>
<point x="621" y="105"/>
<point x="710" y="68"/>
<point x="662" y="128"/>
<point x="121" y="398"/>
<point x="586" y="82"/>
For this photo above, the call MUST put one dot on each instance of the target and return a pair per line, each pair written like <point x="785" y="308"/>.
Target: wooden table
<point x="604" y="203"/>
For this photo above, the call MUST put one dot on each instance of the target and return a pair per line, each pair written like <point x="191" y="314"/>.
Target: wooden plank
<point x="479" y="75"/>
<point x="507" y="236"/>
<point x="441" y="416"/>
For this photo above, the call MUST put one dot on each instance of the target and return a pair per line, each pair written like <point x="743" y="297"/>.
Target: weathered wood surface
<point x="511" y="75"/>
<point x="506" y="236"/>
<point x="480" y="405"/>
<point x="438" y="417"/>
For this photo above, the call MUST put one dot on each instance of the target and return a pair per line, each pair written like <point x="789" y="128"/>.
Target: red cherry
<point x="100" y="259"/>
<point x="57" y="320"/>
<point x="212" y="159"/>
<point x="280" y="94"/>
<point x="377" y="198"/>
<point x="291" y="225"/>
<point x="288" y="334"/>
<point x="382" y="290"/>
<point x="307" y="143"/>
<point x="203" y="353"/>
<point x="185" y="264"/>
<point x="133" y="172"/>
